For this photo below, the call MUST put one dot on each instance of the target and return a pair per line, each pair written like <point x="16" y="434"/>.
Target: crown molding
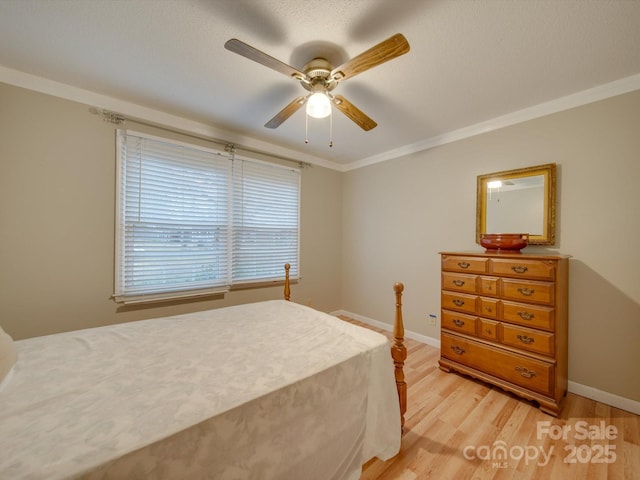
<point x="601" y="92"/>
<point x="133" y="110"/>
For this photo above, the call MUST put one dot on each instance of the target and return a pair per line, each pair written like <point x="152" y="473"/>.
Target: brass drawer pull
<point x="527" y="292"/>
<point x="519" y="269"/>
<point x="525" y="372"/>
<point x="458" y="283"/>
<point x="464" y="264"/>
<point x="458" y="303"/>
<point x="458" y="323"/>
<point x="526" y="315"/>
<point x="457" y="349"/>
<point x="525" y="339"/>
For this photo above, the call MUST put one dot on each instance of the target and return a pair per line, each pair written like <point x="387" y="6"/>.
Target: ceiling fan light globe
<point x="318" y="105"/>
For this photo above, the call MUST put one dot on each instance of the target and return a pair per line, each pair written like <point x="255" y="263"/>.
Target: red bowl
<point x="512" y="242"/>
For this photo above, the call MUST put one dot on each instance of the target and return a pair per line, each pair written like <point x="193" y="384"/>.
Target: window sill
<point x="168" y="296"/>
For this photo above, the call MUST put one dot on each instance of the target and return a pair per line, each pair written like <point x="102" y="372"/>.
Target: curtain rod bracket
<point x="109" y="116"/>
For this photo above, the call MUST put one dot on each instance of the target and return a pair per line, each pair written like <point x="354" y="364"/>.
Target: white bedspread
<point x="271" y="390"/>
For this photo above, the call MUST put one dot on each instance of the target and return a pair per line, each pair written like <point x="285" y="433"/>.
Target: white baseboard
<point x="601" y="396"/>
<point x="385" y="326"/>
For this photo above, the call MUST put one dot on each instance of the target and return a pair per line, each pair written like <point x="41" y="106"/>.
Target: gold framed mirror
<point x="518" y="201"/>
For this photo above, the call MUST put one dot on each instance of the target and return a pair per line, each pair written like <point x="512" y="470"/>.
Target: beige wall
<point x="57" y="187"/>
<point x="399" y="214"/>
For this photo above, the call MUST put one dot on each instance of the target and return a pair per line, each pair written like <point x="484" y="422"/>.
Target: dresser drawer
<point x="524" y="291"/>
<point x="456" y="263"/>
<point x="528" y="339"/>
<point x="537" y="269"/>
<point x="459" y="282"/>
<point x="527" y="372"/>
<point x="488" y="286"/>
<point x="534" y="316"/>
<point x="459" y="322"/>
<point x="460" y="302"/>
<point x="488" y="329"/>
<point x="488" y="307"/>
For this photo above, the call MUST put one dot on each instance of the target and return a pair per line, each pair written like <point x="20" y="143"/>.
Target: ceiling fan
<point x="319" y="77"/>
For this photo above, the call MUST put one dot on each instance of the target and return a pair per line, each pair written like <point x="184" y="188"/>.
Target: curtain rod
<point x="118" y="119"/>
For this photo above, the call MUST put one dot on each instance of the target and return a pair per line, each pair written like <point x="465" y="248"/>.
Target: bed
<point x="271" y="390"/>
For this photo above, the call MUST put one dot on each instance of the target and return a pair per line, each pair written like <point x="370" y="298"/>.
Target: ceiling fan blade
<point x="286" y="112"/>
<point x="353" y="112"/>
<point x="387" y="50"/>
<point x="237" y="46"/>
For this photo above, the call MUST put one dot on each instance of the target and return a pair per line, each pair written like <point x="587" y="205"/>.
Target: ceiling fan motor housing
<point x="317" y="72"/>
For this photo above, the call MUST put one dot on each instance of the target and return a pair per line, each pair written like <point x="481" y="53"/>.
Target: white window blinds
<point x="265" y="221"/>
<point x="191" y="221"/>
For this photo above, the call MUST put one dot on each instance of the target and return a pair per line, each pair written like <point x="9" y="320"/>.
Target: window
<point x="194" y="221"/>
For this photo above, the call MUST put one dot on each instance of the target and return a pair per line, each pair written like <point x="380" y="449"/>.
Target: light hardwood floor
<point x="457" y="428"/>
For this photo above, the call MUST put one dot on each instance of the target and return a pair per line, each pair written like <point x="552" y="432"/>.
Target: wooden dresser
<point x="504" y="321"/>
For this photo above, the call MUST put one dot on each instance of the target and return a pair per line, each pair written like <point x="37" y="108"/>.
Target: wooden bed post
<point x="399" y="352"/>
<point x="287" y="287"/>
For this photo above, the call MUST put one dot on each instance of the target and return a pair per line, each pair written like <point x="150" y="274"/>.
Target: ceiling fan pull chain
<point x="331" y="129"/>
<point x="306" y="128"/>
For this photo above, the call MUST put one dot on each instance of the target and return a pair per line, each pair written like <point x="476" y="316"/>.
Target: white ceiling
<point x="472" y="64"/>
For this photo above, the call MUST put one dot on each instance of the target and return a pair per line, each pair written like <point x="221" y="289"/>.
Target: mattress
<point x="264" y="390"/>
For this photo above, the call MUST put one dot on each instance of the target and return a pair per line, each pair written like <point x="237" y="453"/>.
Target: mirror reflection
<point x="518" y="201"/>
<point x="516" y="205"/>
